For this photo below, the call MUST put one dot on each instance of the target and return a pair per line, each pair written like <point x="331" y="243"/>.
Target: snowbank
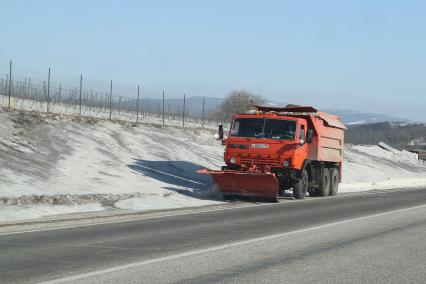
<point x="371" y="167"/>
<point x="57" y="160"/>
<point x="54" y="164"/>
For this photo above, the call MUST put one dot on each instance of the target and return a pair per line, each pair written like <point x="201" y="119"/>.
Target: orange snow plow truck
<point x="273" y="149"/>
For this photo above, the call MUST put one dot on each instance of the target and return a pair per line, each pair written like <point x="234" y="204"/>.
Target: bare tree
<point x="238" y="101"/>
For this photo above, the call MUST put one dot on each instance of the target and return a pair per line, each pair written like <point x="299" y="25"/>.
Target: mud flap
<point x="244" y="184"/>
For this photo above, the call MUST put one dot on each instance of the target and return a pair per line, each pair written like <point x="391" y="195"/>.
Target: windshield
<point x="264" y="128"/>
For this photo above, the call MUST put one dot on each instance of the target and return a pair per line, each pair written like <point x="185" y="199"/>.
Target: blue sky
<point x="362" y="55"/>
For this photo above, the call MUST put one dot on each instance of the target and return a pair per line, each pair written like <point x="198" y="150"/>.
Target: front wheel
<point x="301" y="187"/>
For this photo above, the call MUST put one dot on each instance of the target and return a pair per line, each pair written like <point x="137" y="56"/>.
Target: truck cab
<point x="267" y="142"/>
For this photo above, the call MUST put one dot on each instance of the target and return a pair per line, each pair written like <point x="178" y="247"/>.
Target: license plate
<point x="261" y="146"/>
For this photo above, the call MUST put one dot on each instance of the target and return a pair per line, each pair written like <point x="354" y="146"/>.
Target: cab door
<point x="301" y="147"/>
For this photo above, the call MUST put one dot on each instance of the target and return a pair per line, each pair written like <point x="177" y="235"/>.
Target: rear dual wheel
<point x="334" y="181"/>
<point x="329" y="182"/>
<point x="328" y="186"/>
<point x="324" y="188"/>
<point x="313" y="191"/>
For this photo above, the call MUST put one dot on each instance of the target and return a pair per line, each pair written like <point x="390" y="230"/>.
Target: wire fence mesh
<point x="45" y="96"/>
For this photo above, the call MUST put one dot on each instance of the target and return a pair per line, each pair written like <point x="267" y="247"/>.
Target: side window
<point x="235" y="128"/>
<point x="302" y="133"/>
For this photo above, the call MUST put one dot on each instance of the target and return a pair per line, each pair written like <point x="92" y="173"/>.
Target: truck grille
<point x="261" y="162"/>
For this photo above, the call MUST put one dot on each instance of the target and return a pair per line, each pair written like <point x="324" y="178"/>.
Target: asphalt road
<point x="373" y="237"/>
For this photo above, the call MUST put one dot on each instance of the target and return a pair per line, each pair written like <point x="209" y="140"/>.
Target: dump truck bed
<point x="328" y="142"/>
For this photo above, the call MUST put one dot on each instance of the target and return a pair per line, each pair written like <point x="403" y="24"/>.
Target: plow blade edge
<point x="245" y="184"/>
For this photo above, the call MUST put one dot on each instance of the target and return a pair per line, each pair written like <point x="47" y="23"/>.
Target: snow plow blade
<point x="244" y="184"/>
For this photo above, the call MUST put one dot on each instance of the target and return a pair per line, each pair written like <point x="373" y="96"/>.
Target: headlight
<point x="286" y="164"/>
<point x="233" y="160"/>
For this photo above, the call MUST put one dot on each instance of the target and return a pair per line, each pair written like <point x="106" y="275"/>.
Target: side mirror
<point x="310" y="136"/>
<point x="220" y="132"/>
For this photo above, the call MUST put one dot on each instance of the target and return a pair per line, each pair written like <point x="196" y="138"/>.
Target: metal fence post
<point x="44" y="93"/>
<point x="24" y="93"/>
<point x="110" y="101"/>
<point x="6" y="87"/>
<point x="48" y="91"/>
<point x="222" y="116"/>
<point x="202" y="122"/>
<point x="60" y="89"/>
<point x="10" y="84"/>
<point x="137" y="108"/>
<point x="163" y="107"/>
<point x="119" y="109"/>
<point x="81" y="85"/>
<point x="183" y="113"/>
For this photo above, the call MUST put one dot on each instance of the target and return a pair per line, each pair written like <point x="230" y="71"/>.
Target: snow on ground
<point x="371" y="167"/>
<point x="56" y="160"/>
<point x="103" y="113"/>
<point x="55" y="164"/>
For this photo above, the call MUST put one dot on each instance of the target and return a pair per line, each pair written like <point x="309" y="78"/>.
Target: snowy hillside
<point x="399" y="135"/>
<point x="52" y="164"/>
<point x="353" y="117"/>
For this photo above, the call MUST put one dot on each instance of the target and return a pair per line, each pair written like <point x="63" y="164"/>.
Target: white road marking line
<point x="221" y="247"/>
<point x="368" y="192"/>
<point x="135" y="219"/>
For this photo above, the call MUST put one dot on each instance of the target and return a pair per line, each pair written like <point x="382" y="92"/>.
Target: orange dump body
<point x="256" y="161"/>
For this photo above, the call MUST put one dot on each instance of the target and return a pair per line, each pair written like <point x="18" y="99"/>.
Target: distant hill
<point x="194" y="107"/>
<point x="353" y="117"/>
<point x="400" y="135"/>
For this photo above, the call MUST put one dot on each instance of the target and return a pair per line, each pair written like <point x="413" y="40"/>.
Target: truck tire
<point x="324" y="188"/>
<point x="301" y="187"/>
<point x="228" y="197"/>
<point x="313" y="192"/>
<point x="271" y="199"/>
<point x="334" y="181"/>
